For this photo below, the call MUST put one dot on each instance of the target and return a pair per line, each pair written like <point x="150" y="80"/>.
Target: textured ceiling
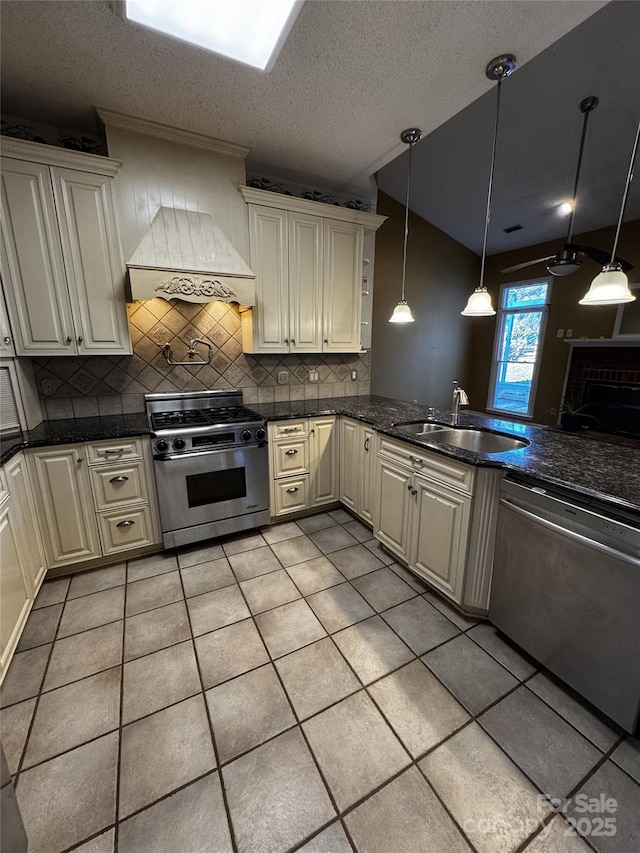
<point x="349" y="78"/>
<point x="539" y="136"/>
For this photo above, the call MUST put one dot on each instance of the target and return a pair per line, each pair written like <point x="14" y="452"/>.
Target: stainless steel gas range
<point x="211" y="463"/>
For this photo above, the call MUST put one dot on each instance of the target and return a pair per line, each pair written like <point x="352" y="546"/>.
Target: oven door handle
<point x="171" y="457"/>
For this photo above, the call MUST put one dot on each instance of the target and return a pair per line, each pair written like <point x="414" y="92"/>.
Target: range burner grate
<point x="188" y="417"/>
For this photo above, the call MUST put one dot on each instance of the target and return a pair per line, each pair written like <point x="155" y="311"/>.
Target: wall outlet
<point x="354" y="375"/>
<point x="569" y="332"/>
<point x="313" y="376"/>
<point x="560" y="333"/>
<point x="283" y="377"/>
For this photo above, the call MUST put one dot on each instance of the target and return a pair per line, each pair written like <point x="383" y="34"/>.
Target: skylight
<point x="249" y="31"/>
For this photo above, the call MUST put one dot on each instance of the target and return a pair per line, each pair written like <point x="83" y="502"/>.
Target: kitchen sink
<point x="419" y="429"/>
<point x="478" y="441"/>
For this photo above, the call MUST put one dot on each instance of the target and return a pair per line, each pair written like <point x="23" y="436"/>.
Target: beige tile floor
<point x="294" y="689"/>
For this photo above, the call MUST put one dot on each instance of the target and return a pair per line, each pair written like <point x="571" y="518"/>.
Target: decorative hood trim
<point x="185" y="255"/>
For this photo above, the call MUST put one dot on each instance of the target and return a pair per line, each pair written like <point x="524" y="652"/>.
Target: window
<point x="518" y="346"/>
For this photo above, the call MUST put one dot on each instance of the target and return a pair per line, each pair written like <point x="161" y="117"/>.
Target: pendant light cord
<point x="578" y="168"/>
<point x="493" y="161"/>
<point x="626" y="193"/>
<point x="406" y="225"/>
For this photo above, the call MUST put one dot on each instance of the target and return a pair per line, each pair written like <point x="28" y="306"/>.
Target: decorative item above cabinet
<point x="61" y="266"/>
<point x="307" y="257"/>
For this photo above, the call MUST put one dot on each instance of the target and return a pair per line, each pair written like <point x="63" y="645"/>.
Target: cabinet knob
<point x="409" y="487"/>
<point x="326" y="340"/>
<point x="7" y="340"/>
<point x="293" y="340"/>
<point x="80" y="339"/>
<point x="80" y="460"/>
<point x="69" y="339"/>
<point x="291" y="452"/>
<point x="126" y="523"/>
<point x="118" y="479"/>
<point x="286" y="340"/>
<point x="292" y="489"/>
<point x="414" y="491"/>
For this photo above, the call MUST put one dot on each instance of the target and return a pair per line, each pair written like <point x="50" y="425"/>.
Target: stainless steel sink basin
<point x="478" y="441"/>
<point x="419" y="430"/>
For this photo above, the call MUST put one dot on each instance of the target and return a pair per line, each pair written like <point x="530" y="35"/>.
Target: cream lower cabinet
<point x="95" y="500"/>
<point x="15" y="592"/>
<point x="303" y="462"/>
<point x="61" y="264"/>
<point x="437" y="515"/>
<point x="64" y="504"/>
<point x="357" y="468"/>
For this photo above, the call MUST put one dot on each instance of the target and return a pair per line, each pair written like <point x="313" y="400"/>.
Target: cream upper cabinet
<point x="64" y="504"/>
<point x="269" y="258"/>
<point x="92" y="259"/>
<point x="6" y="336"/>
<point x="307" y="258"/>
<point x="342" y="299"/>
<point x="305" y="283"/>
<point x="61" y="265"/>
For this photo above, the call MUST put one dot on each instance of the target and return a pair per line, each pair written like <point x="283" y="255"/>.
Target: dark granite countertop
<point x="73" y="430"/>
<point x="605" y="472"/>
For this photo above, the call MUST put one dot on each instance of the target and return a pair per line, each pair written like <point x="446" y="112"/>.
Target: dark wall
<point x="420" y="360"/>
<point x="564" y="313"/>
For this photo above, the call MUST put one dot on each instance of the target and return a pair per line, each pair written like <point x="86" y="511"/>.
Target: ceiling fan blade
<point x="598" y="255"/>
<point x="527" y="264"/>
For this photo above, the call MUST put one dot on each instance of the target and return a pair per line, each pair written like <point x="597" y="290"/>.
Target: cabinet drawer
<point x="284" y="429"/>
<point x="125" y="529"/>
<point x="291" y="495"/>
<point x="119" y="485"/>
<point x="448" y="471"/>
<point x="291" y="457"/>
<point x="115" y="450"/>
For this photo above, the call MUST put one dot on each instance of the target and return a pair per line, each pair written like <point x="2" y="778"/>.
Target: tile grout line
<point x="298" y="726"/>
<point x="121" y="712"/>
<point x="38" y="696"/>
<point x="214" y="746"/>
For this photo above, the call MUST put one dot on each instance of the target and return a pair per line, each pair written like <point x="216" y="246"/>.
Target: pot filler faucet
<point x="458" y="398"/>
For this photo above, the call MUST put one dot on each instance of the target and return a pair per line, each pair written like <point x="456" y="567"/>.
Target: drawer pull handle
<point x="118" y="479"/>
<point x="290" y="429"/>
<point x="417" y="461"/>
<point x="127" y="523"/>
<point x="108" y="451"/>
<point x="292" y="489"/>
<point x="291" y="452"/>
<point x="366" y="444"/>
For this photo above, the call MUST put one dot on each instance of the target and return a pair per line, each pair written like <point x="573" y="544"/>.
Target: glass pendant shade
<point x="610" y="287"/>
<point x="479" y="304"/>
<point x="402" y="313"/>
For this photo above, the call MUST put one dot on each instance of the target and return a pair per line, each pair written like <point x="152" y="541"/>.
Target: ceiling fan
<point x="570" y="257"/>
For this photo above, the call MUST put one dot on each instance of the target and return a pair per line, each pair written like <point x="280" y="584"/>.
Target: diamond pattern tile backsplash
<point x="106" y="385"/>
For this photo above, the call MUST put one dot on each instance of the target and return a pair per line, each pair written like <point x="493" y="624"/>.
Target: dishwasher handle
<point x="572" y="534"/>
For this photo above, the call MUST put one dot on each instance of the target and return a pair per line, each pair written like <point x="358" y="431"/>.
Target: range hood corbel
<point x="186" y="255"/>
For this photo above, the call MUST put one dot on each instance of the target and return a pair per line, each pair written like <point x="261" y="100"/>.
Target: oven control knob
<point x="179" y="444"/>
<point x="162" y="446"/>
<point x="245" y="435"/>
<point x="261" y="433"/>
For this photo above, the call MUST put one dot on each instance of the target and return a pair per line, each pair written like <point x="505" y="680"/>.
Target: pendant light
<point x="402" y="312"/>
<point x="611" y="286"/>
<point x="479" y="304"/>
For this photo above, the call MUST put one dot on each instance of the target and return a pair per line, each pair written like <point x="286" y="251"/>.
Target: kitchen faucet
<point x="458" y="398"/>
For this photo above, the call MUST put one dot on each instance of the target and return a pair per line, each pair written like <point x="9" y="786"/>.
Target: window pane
<point x="525" y="296"/>
<point x="517" y="350"/>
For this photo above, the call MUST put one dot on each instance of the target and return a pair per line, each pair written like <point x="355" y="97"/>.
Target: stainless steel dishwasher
<point x="566" y="588"/>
